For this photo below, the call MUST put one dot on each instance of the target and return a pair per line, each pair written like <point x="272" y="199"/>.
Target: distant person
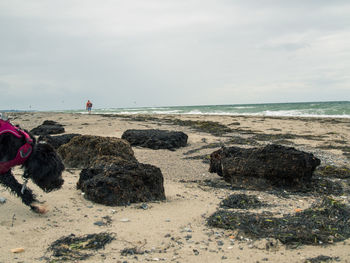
<point x="89" y="106"/>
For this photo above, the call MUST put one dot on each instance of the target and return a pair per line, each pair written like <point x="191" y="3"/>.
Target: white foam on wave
<point x="243" y="107"/>
<point x="300" y="113"/>
<point x="243" y="110"/>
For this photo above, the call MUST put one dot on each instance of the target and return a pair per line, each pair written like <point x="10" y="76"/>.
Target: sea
<point x="331" y="109"/>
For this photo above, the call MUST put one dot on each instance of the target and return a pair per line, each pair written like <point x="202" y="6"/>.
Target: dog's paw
<point x="39" y="208"/>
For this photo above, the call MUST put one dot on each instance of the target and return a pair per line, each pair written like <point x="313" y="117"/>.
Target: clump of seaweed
<point x="323" y="223"/>
<point x="345" y="149"/>
<point x="73" y="248"/>
<point x="321" y="259"/>
<point x="331" y="171"/>
<point x="286" y="136"/>
<point x="212" y="127"/>
<point x="241" y="201"/>
<point x="242" y="141"/>
<point x="204" y="157"/>
<point x="321" y="187"/>
<point x="207" y="146"/>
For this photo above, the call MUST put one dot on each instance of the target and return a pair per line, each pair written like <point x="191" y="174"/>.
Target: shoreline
<point x="174" y="230"/>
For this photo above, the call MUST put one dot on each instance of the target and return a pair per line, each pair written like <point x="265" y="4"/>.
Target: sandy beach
<point x="175" y="230"/>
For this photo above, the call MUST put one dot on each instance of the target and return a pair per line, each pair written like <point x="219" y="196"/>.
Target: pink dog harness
<point x="23" y="152"/>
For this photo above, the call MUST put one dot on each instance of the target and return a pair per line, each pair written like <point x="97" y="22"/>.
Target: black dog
<point x="40" y="162"/>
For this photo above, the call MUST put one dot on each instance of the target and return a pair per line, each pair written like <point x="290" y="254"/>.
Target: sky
<point x="57" y="54"/>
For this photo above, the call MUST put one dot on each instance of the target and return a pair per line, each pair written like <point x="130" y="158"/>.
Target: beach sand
<point x="174" y="230"/>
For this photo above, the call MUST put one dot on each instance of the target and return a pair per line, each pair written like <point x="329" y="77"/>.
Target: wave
<point x="312" y="109"/>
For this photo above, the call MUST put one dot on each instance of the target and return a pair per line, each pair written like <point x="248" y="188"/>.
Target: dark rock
<point x="122" y="183"/>
<point x="112" y="175"/>
<point x="156" y="139"/>
<point x="58" y="140"/>
<point x="276" y="164"/>
<point x="82" y="151"/>
<point x="48" y="127"/>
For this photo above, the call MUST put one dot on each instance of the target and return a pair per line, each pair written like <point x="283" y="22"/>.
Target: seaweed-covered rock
<point x="48" y="127"/>
<point x="58" y="140"/>
<point x="121" y="183"/>
<point x="83" y="150"/>
<point x="276" y="164"/>
<point x="156" y="139"/>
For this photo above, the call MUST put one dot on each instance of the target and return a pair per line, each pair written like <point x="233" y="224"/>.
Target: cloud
<point x="171" y="52"/>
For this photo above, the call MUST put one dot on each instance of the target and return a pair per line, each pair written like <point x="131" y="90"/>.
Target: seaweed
<point x="214" y="128"/>
<point x="205" y="158"/>
<point x="215" y="183"/>
<point x="207" y="146"/>
<point x="72" y="247"/>
<point x="322" y="223"/>
<point x="321" y="187"/>
<point x="332" y="171"/>
<point x="241" y="201"/>
<point x="242" y="141"/>
<point x="131" y="251"/>
<point x="286" y="136"/>
<point x="344" y="149"/>
<point x="321" y="259"/>
<point x="316" y="187"/>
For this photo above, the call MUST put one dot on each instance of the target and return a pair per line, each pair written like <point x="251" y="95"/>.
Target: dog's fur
<point x="44" y="167"/>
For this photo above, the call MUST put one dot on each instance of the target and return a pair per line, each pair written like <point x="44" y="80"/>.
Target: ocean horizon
<point x="332" y="109"/>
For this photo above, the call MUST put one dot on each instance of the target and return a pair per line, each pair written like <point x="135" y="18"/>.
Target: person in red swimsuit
<point x="89" y="106"/>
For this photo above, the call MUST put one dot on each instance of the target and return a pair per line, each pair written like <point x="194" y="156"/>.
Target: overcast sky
<point x="57" y="54"/>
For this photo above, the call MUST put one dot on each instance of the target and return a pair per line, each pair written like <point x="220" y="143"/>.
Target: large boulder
<point x="118" y="182"/>
<point x="156" y="139"/>
<point x="83" y="150"/>
<point x="48" y="127"/>
<point x="57" y="140"/>
<point x="276" y="164"/>
<point x="111" y="174"/>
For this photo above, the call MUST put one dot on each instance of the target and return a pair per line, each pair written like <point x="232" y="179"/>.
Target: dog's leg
<point x="28" y="198"/>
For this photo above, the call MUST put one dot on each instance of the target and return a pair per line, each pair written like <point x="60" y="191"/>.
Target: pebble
<point x="187" y="229"/>
<point x="144" y="206"/>
<point x="125" y="220"/>
<point x="220" y="243"/>
<point x="99" y="223"/>
<point x="2" y="200"/>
